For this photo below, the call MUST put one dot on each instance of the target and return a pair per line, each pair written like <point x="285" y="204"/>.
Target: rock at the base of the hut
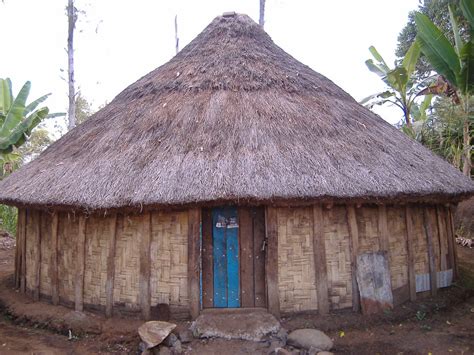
<point x="177" y="348"/>
<point x="161" y="350"/>
<point x="186" y="336"/>
<point x="282" y="335"/>
<point x="253" y="326"/>
<point x="325" y="353"/>
<point x="170" y="340"/>
<point x="154" y="332"/>
<point x="307" y="338"/>
<point x="279" y="351"/>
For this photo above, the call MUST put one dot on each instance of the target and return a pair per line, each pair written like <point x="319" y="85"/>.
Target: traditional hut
<point x="231" y="176"/>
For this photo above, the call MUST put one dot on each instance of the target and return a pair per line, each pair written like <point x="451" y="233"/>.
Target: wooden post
<point x="54" y="259"/>
<point x="37" y="261"/>
<point x="144" y="282"/>
<point x="109" y="284"/>
<point x="411" y="252"/>
<point x="453" y="233"/>
<point x="442" y="239"/>
<point x="451" y="244"/>
<point x="383" y="231"/>
<point x="431" y="254"/>
<point x="194" y="223"/>
<point x="18" y="248"/>
<point x="319" y="250"/>
<point x="23" y="250"/>
<point x="271" y="261"/>
<point x="354" y="248"/>
<point x="80" y="265"/>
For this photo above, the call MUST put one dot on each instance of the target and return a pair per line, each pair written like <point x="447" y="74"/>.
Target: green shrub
<point x="8" y="218"/>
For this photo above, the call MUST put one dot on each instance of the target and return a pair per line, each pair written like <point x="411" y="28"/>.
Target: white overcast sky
<point x="119" y="41"/>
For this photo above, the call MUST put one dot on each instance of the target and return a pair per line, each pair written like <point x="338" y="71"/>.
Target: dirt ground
<point x="441" y="325"/>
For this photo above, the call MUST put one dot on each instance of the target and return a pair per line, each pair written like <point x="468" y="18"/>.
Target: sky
<point x="119" y="41"/>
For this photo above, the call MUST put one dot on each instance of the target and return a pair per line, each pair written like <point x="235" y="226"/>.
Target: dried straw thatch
<point x="232" y="118"/>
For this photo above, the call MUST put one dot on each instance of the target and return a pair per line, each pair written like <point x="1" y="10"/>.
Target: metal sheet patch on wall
<point x="444" y="279"/>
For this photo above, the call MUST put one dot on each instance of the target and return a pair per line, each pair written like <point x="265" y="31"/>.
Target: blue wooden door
<point x="225" y="235"/>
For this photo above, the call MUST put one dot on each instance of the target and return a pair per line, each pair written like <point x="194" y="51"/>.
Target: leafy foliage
<point x="402" y="89"/>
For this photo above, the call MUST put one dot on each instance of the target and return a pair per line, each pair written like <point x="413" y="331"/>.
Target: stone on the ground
<point x="154" y="332"/>
<point x="186" y="336"/>
<point x="253" y="326"/>
<point x="177" y="348"/>
<point x="279" y="351"/>
<point x="307" y="338"/>
<point x="161" y="350"/>
<point x="325" y="353"/>
<point x="170" y="340"/>
<point x="281" y="335"/>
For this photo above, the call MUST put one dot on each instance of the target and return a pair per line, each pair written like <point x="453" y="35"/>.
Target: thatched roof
<point x="232" y="118"/>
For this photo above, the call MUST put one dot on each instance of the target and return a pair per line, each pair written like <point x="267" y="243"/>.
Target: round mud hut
<point x="234" y="176"/>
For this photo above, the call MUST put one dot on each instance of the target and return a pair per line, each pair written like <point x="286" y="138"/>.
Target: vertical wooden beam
<point x="320" y="269"/>
<point x="354" y="248"/>
<point x="54" y="259"/>
<point x="207" y="260"/>
<point x="18" y="248"/>
<point x="23" y="250"/>
<point x="411" y="252"/>
<point x="453" y="237"/>
<point x="109" y="284"/>
<point x="145" y="268"/>
<point x="450" y="238"/>
<point x="431" y="254"/>
<point x="246" y="258"/>
<point x="259" y="256"/>
<point x="442" y="239"/>
<point x="271" y="260"/>
<point x="194" y="224"/>
<point x="37" y="261"/>
<point x="80" y="265"/>
<point x="383" y="230"/>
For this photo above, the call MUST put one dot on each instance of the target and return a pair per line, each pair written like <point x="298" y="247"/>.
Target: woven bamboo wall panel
<point x="420" y="245"/>
<point x="338" y="257"/>
<point x="68" y="229"/>
<point x="32" y="220"/>
<point x="367" y="223"/>
<point x="398" y="246"/>
<point x="169" y="258"/>
<point x="45" y="274"/>
<point x="127" y="253"/>
<point x="296" y="276"/>
<point x="96" y="251"/>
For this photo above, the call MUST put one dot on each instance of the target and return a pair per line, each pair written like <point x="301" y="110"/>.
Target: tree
<point x="261" y="16"/>
<point x="402" y="89"/>
<point x="83" y="109"/>
<point x="436" y="11"/>
<point x="454" y="63"/>
<point x="17" y="119"/>
<point x="72" y="13"/>
<point x="38" y="141"/>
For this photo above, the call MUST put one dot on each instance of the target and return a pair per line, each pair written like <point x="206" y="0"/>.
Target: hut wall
<point x="169" y="260"/>
<point x="96" y="252"/>
<point x="338" y="257"/>
<point x="296" y="277"/>
<point x="398" y="260"/>
<point x="168" y="253"/>
<point x="68" y="228"/>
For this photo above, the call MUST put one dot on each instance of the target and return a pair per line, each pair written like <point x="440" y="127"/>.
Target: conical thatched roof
<point x="232" y="118"/>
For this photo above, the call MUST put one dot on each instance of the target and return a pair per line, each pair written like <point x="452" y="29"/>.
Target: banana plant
<point x="17" y="119"/>
<point x="402" y="89"/>
<point x="454" y="63"/>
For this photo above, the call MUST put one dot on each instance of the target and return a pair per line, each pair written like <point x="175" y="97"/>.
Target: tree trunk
<point x="176" y="38"/>
<point x="261" y="19"/>
<point x="71" y="17"/>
